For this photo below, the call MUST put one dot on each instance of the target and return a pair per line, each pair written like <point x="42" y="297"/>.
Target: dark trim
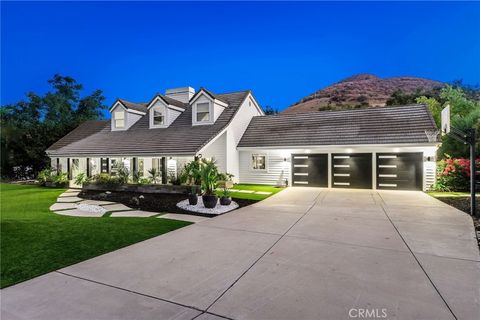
<point x="163" y="168"/>
<point x="88" y="168"/>
<point x="69" y="173"/>
<point x="134" y="165"/>
<point x="58" y="166"/>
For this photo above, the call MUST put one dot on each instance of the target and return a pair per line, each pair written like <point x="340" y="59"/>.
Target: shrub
<point x="106" y="180"/>
<point x="123" y="174"/>
<point x="144" y="181"/>
<point x="191" y="173"/>
<point x="81" y="178"/>
<point x="453" y="174"/>
<point x="154" y="175"/>
<point x="45" y="176"/>
<point x="60" y="178"/>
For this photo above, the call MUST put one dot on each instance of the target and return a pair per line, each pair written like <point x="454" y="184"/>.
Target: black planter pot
<point x="192" y="199"/>
<point x="209" y="201"/>
<point x="225" y="201"/>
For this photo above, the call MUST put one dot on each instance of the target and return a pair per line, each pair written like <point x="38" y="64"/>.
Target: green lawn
<point x="35" y="241"/>
<point x="254" y="187"/>
<point x="437" y="194"/>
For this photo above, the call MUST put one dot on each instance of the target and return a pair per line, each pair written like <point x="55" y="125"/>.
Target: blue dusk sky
<point x="282" y="51"/>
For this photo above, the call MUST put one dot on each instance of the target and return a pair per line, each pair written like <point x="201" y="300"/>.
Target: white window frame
<point x="210" y="113"/>
<point x="115" y="113"/>
<point x="258" y="155"/>
<point x="164" y="111"/>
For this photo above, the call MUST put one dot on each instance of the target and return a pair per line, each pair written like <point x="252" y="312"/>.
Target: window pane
<point x="119" y="123"/>
<point x="203" y="112"/>
<point x="202" y="107"/>
<point x="258" y="162"/>
<point x="119" y="115"/>
<point x="157" y="117"/>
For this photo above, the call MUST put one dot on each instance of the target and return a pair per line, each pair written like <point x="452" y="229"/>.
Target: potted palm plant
<point x="191" y="176"/>
<point x="209" y="178"/>
<point x="225" y="183"/>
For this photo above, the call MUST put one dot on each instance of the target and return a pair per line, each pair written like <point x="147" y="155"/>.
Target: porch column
<point x="69" y="173"/>
<point x="88" y="168"/>
<point x="134" y="165"/>
<point x="164" y="169"/>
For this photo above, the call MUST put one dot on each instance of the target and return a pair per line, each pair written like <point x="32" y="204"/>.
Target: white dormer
<point x="162" y="113"/>
<point x="206" y="108"/>
<point x="123" y="116"/>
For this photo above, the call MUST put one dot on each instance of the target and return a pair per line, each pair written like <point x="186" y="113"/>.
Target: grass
<point x="254" y="187"/>
<point x="438" y="194"/>
<point x="35" y="241"/>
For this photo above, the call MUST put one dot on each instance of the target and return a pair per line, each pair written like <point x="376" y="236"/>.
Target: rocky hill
<point x="363" y="90"/>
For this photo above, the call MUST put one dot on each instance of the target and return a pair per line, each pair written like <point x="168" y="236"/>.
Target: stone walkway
<point x="68" y="204"/>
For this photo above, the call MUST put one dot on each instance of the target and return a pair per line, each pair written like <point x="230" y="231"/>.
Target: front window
<point x="203" y="112"/>
<point x="158" y="117"/>
<point x="140" y="167"/>
<point x="114" y="166"/>
<point x="259" y="162"/>
<point x="119" y="117"/>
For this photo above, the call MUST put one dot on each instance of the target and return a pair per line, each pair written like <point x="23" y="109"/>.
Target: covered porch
<point x="167" y="167"/>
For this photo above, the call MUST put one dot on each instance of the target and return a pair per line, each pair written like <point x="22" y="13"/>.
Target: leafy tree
<point x="30" y="126"/>
<point x="270" y="110"/>
<point x="465" y="113"/>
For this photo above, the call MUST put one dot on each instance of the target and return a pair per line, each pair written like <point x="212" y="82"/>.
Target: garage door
<point x="352" y="170"/>
<point x="310" y="170"/>
<point x="400" y="171"/>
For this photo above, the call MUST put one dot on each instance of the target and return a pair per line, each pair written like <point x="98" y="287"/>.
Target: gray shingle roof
<point x="142" y="107"/>
<point x="96" y="138"/>
<point x="387" y="125"/>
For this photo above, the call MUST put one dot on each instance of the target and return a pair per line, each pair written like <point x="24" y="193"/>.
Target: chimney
<point x="181" y="94"/>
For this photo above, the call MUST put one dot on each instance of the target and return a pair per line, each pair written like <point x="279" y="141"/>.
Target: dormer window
<point x="203" y="112"/>
<point x="158" y="117"/>
<point x="119" y="119"/>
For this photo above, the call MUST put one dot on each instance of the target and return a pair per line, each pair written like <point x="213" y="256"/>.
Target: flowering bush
<point x="453" y="174"/>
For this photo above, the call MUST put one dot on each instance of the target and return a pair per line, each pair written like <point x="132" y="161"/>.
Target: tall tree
<point x="465" y="113"/>
<point x="30" y="126"/>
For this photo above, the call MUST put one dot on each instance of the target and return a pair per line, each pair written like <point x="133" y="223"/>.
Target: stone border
<point x="200" y="208"/>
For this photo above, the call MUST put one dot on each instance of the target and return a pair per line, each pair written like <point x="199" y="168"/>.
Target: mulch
<point x="158" y="202"/>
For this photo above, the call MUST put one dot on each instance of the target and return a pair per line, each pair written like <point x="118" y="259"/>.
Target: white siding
<point x="277" y="169"/>
<point x="172" y="115"/>
<point x="217" y="150"/>
<point x="130" y="118"/>
<point x="235" y="132"/>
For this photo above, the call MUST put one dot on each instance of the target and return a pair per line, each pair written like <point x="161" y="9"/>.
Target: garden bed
<point x="140" y="188"/>
<point x="158" y="202"/>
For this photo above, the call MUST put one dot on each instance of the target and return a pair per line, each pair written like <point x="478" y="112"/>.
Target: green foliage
<point x="81" y="179"/>
<point x="106" y="180"/>
<point x="154" y="175"/>
<point x="191" y="173"/>
<point x="60" y="178"/>
<point x="176" y="180"/>
<point x="225" y="181"/>
<point x="144" y="181"/>
<point x="209" y="176"/>
<point x="123" y="174"/>
<point x="135" y="176"/>
<point x="45" y="176"/>
<point x="30" y="126"/>
<point x="400" y="97"/>
<point x="269" y="110"/>
<point x="453" y="174"/>
<point x="465" y="113"/>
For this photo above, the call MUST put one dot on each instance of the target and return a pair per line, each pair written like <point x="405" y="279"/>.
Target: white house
<point x="384" y="148"/>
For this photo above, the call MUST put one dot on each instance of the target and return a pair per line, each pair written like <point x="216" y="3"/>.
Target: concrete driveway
<point x="304" y="253"/>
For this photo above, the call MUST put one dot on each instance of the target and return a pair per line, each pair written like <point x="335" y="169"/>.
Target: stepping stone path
<point x="133" y="213"/>
<point x="69" y="204"/>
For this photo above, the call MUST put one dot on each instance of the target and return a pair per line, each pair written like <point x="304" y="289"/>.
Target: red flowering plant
<point x="453" y="174"/>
